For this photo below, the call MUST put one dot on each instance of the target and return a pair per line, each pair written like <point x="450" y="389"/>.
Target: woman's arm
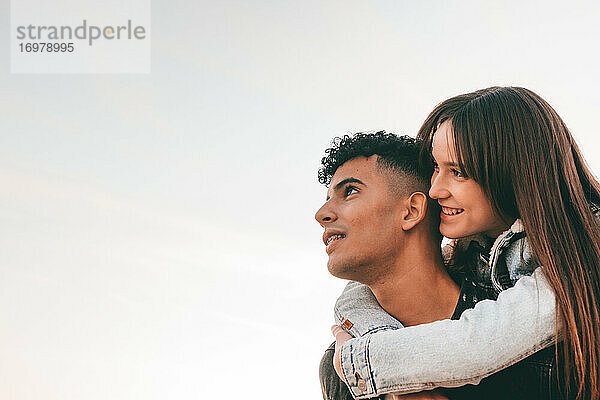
<point x="486" y="339"/>
<point x="359" y="313"/>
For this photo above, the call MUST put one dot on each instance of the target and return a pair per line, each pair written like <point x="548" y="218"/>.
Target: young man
<point x="381" y="229"/>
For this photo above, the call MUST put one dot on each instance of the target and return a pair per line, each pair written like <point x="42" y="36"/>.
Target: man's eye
<point x="350" y="190"/>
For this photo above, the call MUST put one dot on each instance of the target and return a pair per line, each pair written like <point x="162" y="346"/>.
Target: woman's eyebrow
<point x="449" y="164"/>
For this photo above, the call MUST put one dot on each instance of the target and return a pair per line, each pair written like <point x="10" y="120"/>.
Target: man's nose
<point x="438" y="189"/>
<point x="325" y="214"/>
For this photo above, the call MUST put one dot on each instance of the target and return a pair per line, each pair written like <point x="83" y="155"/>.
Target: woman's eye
<point x="458" y="173"/>
<point x="436" y="167"/>
<point x="350" y="190"/>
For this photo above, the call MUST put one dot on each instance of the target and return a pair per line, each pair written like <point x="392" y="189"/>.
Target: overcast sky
<point x="158" y="237"/>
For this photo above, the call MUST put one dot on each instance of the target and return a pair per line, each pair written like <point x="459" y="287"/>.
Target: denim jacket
<point x="533" y="378"/>
<point x="488" y="338"/>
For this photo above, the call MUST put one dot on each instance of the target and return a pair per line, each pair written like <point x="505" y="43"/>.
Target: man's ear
<point x="416" y="208"/>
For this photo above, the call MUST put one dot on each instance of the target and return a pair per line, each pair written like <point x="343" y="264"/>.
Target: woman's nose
<point x="438" y="188"/>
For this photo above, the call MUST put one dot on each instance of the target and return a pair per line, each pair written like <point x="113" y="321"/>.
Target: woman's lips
<point x="449" y="212"/>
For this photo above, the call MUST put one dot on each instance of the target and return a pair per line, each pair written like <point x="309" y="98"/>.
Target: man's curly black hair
<point x="399" y="153"/>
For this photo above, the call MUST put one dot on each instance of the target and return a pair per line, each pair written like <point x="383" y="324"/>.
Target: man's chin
<point x="339" y="271"/>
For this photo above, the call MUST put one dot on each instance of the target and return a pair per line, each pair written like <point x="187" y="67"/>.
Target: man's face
<point x="361" y="218"/>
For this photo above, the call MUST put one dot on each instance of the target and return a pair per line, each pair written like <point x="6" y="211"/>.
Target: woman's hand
<point x="341" y="336"/>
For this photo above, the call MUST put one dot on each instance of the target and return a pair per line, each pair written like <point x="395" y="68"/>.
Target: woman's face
<point x="465" y="208"/>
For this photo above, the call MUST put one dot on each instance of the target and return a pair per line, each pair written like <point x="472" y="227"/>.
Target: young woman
<point x="505" y="164"/>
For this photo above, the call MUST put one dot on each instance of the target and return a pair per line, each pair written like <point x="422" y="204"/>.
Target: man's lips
<point x="334" y="238"/>
<point x="332" y="242"/>
<point x="329" y="236"/>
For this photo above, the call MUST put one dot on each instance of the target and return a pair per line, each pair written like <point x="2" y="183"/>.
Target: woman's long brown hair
<point x="513" y="143"/>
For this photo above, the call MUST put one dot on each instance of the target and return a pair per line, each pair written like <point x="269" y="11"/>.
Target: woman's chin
<point x="453" y="232"/>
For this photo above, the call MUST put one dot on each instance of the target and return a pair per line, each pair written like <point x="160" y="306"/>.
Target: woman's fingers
<point x="341" y="336"/>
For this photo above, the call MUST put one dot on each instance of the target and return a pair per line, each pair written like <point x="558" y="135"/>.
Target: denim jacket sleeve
<point x="359" y="313"/>
<point x="451" y="353"/>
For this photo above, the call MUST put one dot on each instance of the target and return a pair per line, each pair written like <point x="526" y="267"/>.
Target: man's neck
<point x="419" y="290"/>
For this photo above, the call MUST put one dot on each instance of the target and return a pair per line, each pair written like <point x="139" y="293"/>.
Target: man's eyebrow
<point x="345" y="181"/>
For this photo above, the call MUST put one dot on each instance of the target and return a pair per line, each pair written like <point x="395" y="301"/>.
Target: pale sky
<point x="158" y="236"/>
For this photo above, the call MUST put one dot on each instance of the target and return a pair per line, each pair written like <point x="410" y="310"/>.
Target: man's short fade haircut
<point x="399" y="154"/>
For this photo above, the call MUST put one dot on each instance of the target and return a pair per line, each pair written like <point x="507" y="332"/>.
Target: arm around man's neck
<point x="486" y="339"/>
